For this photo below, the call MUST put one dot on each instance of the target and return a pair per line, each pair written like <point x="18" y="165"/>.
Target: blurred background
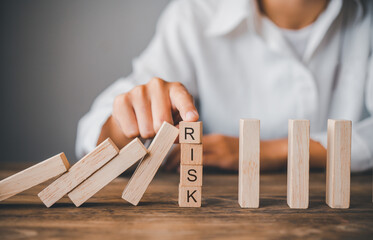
<point x="55" y="58"/>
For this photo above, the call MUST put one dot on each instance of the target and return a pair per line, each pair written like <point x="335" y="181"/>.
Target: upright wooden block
<point x="249" y="163"/>
<point x="338" y="165"/>
<point x="191" y="154"/>
<point x="190" y="196"/>
<point x="190" y="132"/>
<point x="128" y="156"/>
<point x="148" y="167"/>
<point x="298" y="163"/>
<point x="79" y="172"/>
<point x="191" y="175"/>
<point x="33" y="176"/>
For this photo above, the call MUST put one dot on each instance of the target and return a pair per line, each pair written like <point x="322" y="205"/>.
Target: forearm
<point x="317" y="155"/>
<point x="221" y="151"/>
<point x="274" y="154"/>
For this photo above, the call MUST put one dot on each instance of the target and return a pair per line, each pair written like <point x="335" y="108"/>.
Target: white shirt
<point x="237" y="67"/>
<point x="297" y="39"/>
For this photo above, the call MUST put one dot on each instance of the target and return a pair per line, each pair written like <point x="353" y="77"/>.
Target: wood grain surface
<point x="107" y="216"/>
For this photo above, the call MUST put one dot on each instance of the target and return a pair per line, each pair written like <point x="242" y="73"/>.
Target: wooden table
<point x="107" y="216"/>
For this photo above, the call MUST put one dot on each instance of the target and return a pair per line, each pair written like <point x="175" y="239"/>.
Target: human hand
<point x="219" y="151"/>
<point x="222" y="152"/>
<point x="141" y="111"/>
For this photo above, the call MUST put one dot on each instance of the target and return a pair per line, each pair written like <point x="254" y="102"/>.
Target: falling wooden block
<point x="298" y="163"/>
<point x="191" y="175"/>
<point x="149" y="166"/>
<point x="33" y="176"/>
<point x="128" y="156"/>
<point x="338" y="165"/>
<point x="79" y="172"/>
<point x="249" y="163"/>
<point x="190" y="132"/>
<point x="190" y="196"/>
<point x="191" y="154"/>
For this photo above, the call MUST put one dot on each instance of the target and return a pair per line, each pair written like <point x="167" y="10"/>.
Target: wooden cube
<point x="33" y="176"/>
<point x="191" y="175"/>
<point x="298" y="164"/>
<point x="249" y="163"/>
<point x="149" y="166"/>
<point x="79" y="172"/>
<point x="128" y="156"/>
<point x="190" y="196"/>
<point x="338" y="165"/>
<point x="190" y="132"/>
<point x="191" y="154"/>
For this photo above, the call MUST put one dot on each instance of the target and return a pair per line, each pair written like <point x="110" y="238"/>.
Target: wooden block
<point x="190" y="196"/>
<point x="338" y="165"/>
<point x="298" y="163"/>
<point x="190" y="132"/>
<point x="79" y="172"/>
<point x="249" y="163"/>
<point x="191" y="154"/>
<point x="148" y="167"/>
<point x="33" y="176"/>
<point x="191" y="175"/>
<point x="128" y="156"/>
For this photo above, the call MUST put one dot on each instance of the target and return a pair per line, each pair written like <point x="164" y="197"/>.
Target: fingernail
<point x="191" y="116"/>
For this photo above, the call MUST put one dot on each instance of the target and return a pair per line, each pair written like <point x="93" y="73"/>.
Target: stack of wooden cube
<point x="191" y="169"/>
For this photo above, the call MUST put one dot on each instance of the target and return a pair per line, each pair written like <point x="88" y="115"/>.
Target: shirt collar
<point x="228" y="16"/>
<point x="231" y="13"/>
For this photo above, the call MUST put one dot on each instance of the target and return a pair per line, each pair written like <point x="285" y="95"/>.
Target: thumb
<point x="183" y="102"/>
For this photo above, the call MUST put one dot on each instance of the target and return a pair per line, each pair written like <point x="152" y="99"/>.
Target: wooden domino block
<point x="191" y="175"/>
<point x="338" y="165"/>
<point x="79" y="172"/>
<point x="128" y="156"/>
<point x="191" y="154"/>
<point x="190" y="132"/>
<point x="190" y="196"/>
<point x="298" y="163"/>
<point x="249" y="163"/>
<point x="33" y="176"/>
<point x="148" y="167"/>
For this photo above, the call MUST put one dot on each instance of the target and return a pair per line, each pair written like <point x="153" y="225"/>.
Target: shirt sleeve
<point x="168" y="56"/>
<point x="362" y="131"/>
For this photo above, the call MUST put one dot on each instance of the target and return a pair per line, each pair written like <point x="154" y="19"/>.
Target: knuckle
<point x="156" y="82"/>
<point x="147" y="134"/>
<point x="158" y="124"/>
<point x="131" y="133"/>
<point x="178" y="85"/>
<point x="118" y="100"/>
<point x="138" y="91"/>
<point x="121" y="99"/>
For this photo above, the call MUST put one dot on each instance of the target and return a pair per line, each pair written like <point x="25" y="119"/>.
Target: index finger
<point x="183" y="102"/>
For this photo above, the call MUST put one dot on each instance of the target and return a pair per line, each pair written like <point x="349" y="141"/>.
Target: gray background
<point x="55" y="58"/>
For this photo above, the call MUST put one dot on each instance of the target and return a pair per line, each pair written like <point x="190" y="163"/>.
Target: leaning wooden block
<point x="191" y="175"/>
<point x="190" y="196"/>
<point x="191" y="154"/>
<point x="33" y="176"/>
<point x="298" y="163"/>
<point x="148" y="167"/>
<point x="128" y="156"/>
<point x="190" y="132"/>
<point x="79" y="172"/>
<point x="249" y="163"/>
<point x="338" y="165"/>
